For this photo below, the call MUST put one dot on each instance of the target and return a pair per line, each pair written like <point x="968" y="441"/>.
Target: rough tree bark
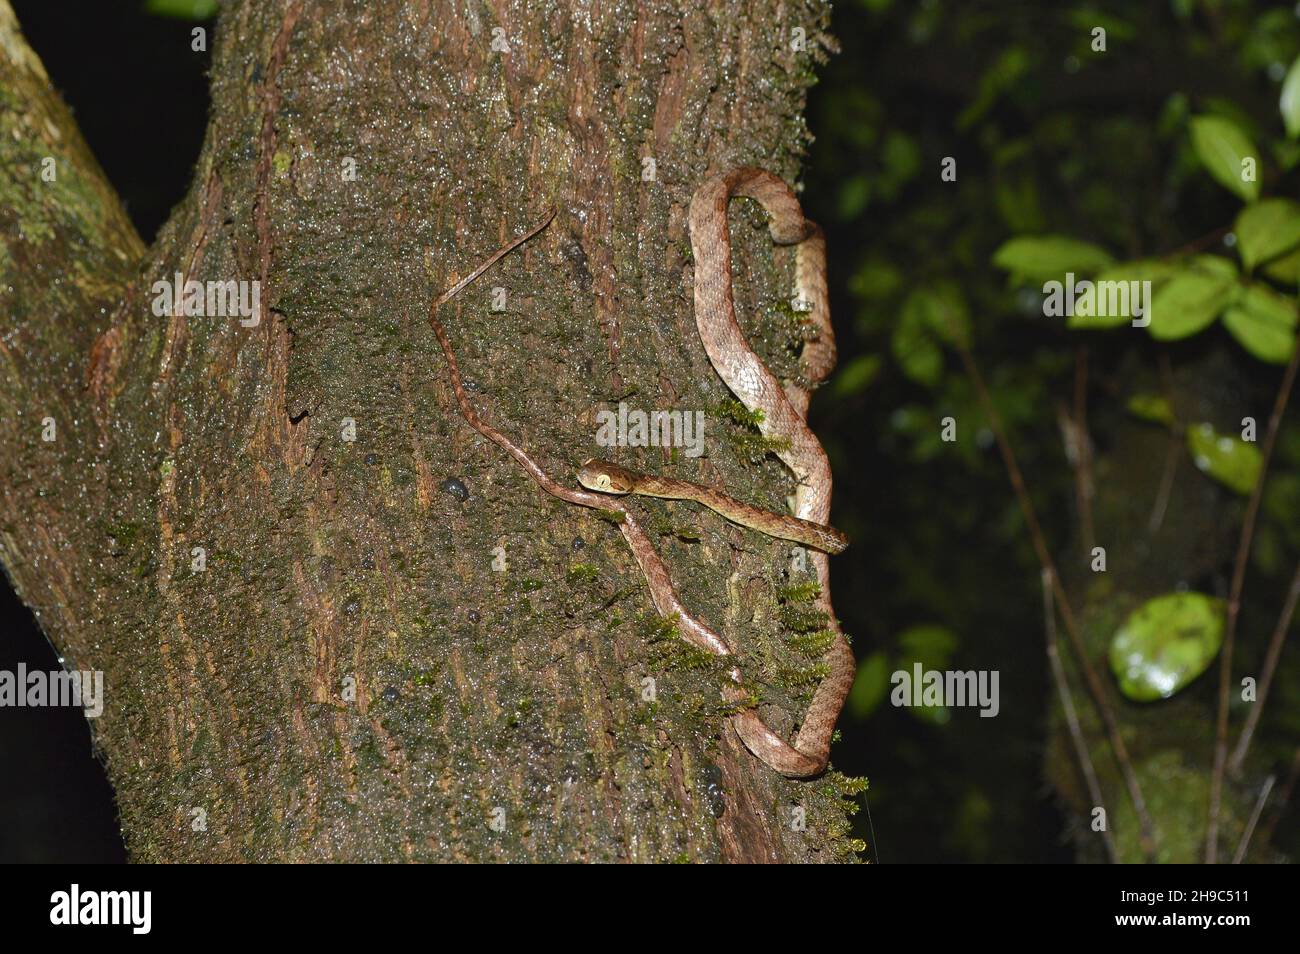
<point x="348" y="677"/>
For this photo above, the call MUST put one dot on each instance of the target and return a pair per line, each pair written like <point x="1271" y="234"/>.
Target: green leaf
<point x="1019" y="202"/>
<point x="913" y="343"/>
<point x="1152" y="407"/>
<point x="1039" y="258"/>
<point x="946" y="314"/>
<point x="1118" y="303"/>
<point x="1189" y="301"/>
<point x="1282" y="502"/>
<point x="1267" y="229"/>
<point x="857" y="375"/>
<point x="1087" y="17"/>
<point x="1290" y="100"/>
<point x="1228" y="459"/>
<point x="929" y="644"/>
<point x="932" y="646"/>
<point x="875" y="280"/>
<point x="1285" y="269"/>
<point x="1166" y="643"/>
<point x="1004" y="74"/>
<point x="870" y="686"/>
<point x="1221" y="146"/>
<point x="1286" y="153"/>
<point x="855" y="191"/>
<point x="1173" y="115"/>
<point x="900" y="157"/>
<point x="1263" y="322"/>
<point x="182" y="9"/>
<point x="1214" y="265"/>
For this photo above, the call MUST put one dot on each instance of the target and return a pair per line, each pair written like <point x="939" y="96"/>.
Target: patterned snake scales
<point x="783" y="412"/>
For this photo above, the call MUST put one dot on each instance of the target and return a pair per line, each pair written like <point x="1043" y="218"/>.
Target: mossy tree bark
<point x="343" y="674"/>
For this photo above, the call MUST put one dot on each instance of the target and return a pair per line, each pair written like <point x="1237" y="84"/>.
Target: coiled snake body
<point x="783" y="409"/>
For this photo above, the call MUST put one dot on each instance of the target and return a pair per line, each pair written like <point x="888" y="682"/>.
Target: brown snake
<point x="783" y="410"/>
<point x="610" y="478"/>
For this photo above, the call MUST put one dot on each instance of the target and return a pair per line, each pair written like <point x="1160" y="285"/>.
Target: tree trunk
<point x="313" y="648"/>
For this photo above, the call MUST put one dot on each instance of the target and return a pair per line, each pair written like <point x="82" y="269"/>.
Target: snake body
<point x="783" y="417"/>
<point x="783" y="410"/>
<point x="609" y="478"/>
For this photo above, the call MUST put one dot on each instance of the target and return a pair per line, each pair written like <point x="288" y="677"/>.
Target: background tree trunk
<point x="348" y="677"/>
<point x="1170" y="744"/>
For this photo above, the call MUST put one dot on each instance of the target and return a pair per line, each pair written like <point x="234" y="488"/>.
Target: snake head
<point x="607" y="478"/>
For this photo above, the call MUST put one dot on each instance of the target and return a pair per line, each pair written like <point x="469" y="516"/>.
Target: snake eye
<point x="603" y="482"/>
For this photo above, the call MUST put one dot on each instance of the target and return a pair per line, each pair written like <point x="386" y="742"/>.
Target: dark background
<point x="1049" y="139"/>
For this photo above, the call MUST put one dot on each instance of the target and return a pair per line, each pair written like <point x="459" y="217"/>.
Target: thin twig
<point x="1234" y="608"/>
<point x="1266" y="678"/>
<point x="1197" y="244"/>
<point x="1172" y="456"/>
<point x="871" y="827"/>
<point x="1244" y="844"/>
<point x="1146" y="835"/>
<point x="1280" y="803"/>
<point x="1072" y="719"/>
<point x="1175" y="452"/>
